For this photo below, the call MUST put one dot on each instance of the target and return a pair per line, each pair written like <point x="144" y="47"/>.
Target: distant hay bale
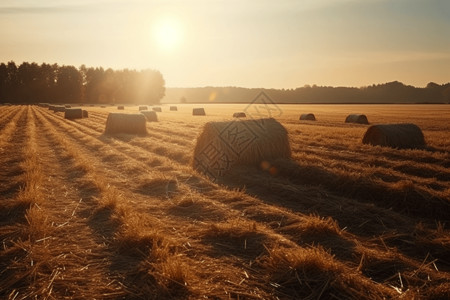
<point x="143" y="107"/>
<point x="239" y="115"/>
<point x="121" y="107"/>
<point x="85" y="114"/>
<point x="67" y="106"/>
<point x="200" y="111"/>
<point x="308" y="117"/>
<point x="125" y="123"/>
<point x="173" y="108"/>
<point x="150" y="115"/>
<point x="402" y="136"/>
<point x="102" y="106"/>
<point x="224" y="145"/>
<point x="58" y="108"/>
<point x="73" y="113"/>
<point x="158" y="109"/>
<point x="354" y="118"/>
<point x="51" y="107"/>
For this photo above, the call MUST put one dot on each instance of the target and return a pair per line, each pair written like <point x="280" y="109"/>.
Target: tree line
<point x="390" y="92"/>
<point x="52" y="83"/>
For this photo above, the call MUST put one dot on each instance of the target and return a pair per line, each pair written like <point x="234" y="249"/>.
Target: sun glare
<point x="167" y="33"/>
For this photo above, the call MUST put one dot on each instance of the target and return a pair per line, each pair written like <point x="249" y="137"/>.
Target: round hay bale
<point x="85" y="114"/>
<point x="125" y="123"/>
<point x="224" y="145"/>
<point x="158" y="109"/>
<point x="143" y="107"/>
<point x="355" y="118"/>
<point x="239" y="115"/>
<point x="173" y="108"/>
<point x="402" y="136"/>
<point x="200" y="111"/>
<point x="308" y="117"/>
<point x="121" y="107"/>
<point x="150" y="115"/>
<point x="73" y="113"/>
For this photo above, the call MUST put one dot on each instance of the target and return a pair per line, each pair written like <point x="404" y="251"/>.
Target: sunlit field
<point x="85" y="215"/>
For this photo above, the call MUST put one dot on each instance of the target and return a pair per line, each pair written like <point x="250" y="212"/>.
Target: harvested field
<point x="85" y="215"/>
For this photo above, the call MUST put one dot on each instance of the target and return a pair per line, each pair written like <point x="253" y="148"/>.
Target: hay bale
<point x="143" y="107"/>
<point x="58" y="108"/>
<point x="158" y="109"/>
<point x="402" y="136"/>
<point x="120" y="107"/>
<point x="51" y="107"/>
<point x="308" y="117"/>
<point x="200" y="111"/>
<point x="150" y="115"/>
<point x="173" y="108"/>
<point x="125" y="123"/>
<point x="67" y="106"/>
<point x="85" y="114"/>
<point x="239" y="115"/>
<point x="102" y="106"/>
<point x="224" y="145"/>
<point x="355" y="118"/>
<point x="73" y="113"/>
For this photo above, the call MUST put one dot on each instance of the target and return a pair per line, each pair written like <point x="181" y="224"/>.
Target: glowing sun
<point x="167" y="34"/>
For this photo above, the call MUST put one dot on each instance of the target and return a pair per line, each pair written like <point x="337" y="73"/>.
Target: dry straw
<point x="200" y="111"/>
<point x="173" y="108"/>
<point x="354" y="118"/>
<point x="239" y="115"/>
<point x="158" y="109"/>
<point x="125" y="123"/>
<point x="143" y="107"/>
<point x="73" y="113"/>
<point x="223" y="145"/>
<point x="150" y="115"/>
<point x="401" y="136"/>
<point x="308" y="117"/>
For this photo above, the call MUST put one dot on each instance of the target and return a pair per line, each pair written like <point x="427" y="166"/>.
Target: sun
<point x="167" y="34"/>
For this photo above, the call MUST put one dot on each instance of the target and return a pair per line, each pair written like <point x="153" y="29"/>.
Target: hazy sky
<point x="257" y="43"/>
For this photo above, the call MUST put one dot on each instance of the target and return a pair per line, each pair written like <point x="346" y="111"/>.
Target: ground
<point x="86" y="215"/>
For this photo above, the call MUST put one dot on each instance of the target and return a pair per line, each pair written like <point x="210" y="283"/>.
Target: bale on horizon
<point x="125" y="123"/>
<point x="199" y="111"/>
<point x="58" y="108"/>
<point x="73" y="113"/>
<point x="173" y="108"/>
<point x="355" y="118"/>
<point x="143" y="107"/>
<point x="402" y="136"/>
<point x="223" y="145"/>
<point x="239" y="114"/>
<point x="121" y="107"/>
<point x="158" y="109"/>
<point x="150" y="115"/>
<point x="307" y="117"/>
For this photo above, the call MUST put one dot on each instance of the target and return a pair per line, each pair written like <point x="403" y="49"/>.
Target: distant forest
<point x="51" y="83"/>
<point x="32" y="83"/>
<point x="391" y="92"/>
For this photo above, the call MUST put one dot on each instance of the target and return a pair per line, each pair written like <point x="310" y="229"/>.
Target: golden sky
<point x="253" y="43"/>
